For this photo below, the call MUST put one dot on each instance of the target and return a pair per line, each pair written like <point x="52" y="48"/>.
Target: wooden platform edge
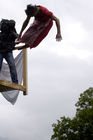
<point x="12" y="85"/>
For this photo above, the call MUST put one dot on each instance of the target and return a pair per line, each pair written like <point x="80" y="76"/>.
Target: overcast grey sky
<point x="57" y="71"/>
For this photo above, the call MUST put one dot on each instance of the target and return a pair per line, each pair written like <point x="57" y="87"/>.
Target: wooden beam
<point x="8" y="86"/>
<point x="25" y="70"/>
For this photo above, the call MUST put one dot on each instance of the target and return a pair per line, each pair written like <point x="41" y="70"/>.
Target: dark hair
<point x="30" y="9"/>
<point x="7" y="25"/>
<point x="8" y="35"/>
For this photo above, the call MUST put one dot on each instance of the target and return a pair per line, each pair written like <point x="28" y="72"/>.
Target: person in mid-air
<point x="8" y="35"/>
<point x="38" y="30"/>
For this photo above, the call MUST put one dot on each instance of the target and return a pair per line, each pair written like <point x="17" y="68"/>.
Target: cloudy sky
<point x="57" y="71"/>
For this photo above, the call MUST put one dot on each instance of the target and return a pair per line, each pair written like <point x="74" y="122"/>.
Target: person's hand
<point x="19" y="36"/>
<point x="58" y="37"/>
<point x="17" y="41"/>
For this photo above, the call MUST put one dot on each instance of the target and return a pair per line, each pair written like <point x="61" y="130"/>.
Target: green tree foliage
<point x="81" y="126"/>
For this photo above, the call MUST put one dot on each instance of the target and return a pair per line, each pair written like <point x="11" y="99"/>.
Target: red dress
<point x="39" y="28"/>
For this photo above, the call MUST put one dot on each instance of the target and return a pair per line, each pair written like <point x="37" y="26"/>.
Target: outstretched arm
<point x="58" y="36"/>
<point x="25" y="23"/>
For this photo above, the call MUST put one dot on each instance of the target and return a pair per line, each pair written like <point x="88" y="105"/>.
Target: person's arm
<point x="58" y="36"/>
<point x="25" y="23"/>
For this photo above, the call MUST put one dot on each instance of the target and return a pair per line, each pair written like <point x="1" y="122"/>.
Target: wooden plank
<point x="8" y="86"/>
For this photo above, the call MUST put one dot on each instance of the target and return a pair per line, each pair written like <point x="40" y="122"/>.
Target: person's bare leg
<point x="21" y="47"/>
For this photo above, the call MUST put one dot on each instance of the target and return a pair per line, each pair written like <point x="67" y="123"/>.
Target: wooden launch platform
<point x="9" y="86"/>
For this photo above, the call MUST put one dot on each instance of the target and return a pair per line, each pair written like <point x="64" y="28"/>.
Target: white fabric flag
<point x="12" y="95"/>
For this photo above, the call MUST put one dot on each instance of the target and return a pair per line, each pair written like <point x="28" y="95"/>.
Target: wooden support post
<point x="25" y="70"/>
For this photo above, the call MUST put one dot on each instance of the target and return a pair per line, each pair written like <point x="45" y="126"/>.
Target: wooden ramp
<point x="8" y="86"/>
